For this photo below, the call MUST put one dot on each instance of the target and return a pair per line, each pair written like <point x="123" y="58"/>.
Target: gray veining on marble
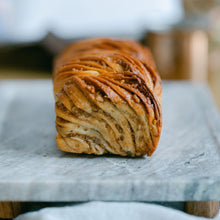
<point x="185" y="166"/>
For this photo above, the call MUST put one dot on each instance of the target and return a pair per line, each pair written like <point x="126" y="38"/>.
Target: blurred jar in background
<point x="180" y="53"/>
<point x="214" y="52"/>
<point x="191" y="48"/>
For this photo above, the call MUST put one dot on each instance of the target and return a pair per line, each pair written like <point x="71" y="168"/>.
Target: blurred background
<point x="184" y="35"/>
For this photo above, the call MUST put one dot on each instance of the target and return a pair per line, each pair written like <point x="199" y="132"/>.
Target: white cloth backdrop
<point x="109" y="211"/>
<point x="30" y="20"/>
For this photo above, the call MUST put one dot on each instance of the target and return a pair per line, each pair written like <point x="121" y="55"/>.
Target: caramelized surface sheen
<point x="108" y="98"/>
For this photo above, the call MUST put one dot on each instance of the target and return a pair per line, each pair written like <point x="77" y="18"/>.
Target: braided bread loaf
<point x="108" y="98"/>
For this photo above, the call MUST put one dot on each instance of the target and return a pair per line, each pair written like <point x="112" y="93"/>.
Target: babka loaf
<point x="108" y="98"/>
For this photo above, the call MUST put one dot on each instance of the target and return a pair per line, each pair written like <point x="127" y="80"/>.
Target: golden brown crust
<point x="108" y="98"/>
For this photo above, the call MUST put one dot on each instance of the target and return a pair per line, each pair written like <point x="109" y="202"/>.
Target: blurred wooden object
<point x="10" y="209"/>
<point x="13" y="73"/>
<point x="197" y="7"/>
<point x="180" y="54"/>
<point x="208" y="209"/>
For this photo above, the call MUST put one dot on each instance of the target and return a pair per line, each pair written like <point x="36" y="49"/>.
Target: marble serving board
<point x="185" y="166"/>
